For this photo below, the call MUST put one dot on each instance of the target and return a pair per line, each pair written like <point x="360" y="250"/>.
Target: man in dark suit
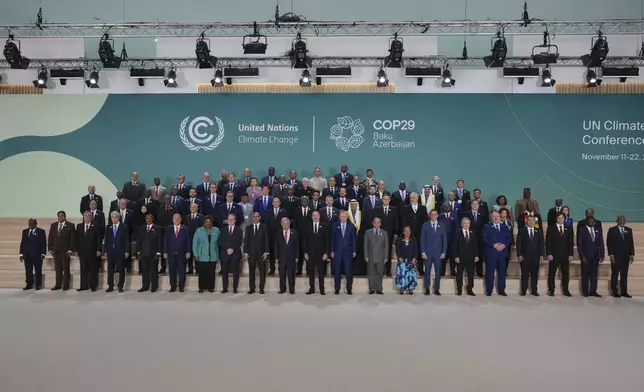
<point x="552" y="213"/>
<point x="273" y="219"/>
<point x="559" y="250"/>
<point x="450" y="222"/>
<point x="454" y="206"/>
<point x="175" y="199"/>
<point x="151" y="205"/>
<point x="305" y="189"/>
<point x="98" y="219"/>
<point x="484" y="209"/>
<point x="332" y="189"/>
<point x="164" y="219"/>
<point x="316" y="249"/>
<point x="183" y="188"/>
<point x="531" y="251"/>
<point x="117" y="247"/>
<point x="270" y="179"/>
<point x="290" y="202"/>
<point x="256" y="251"/>
<point x="529" y="212"/>
<point x="355" y="191"/>
<point x="91" y="195"/>
<point x="211" y="203"/>
<point x="226" y="208"/>
<point x="193" y="221"/>
<point x="590" y="213"/>
<point x="301" y="220"/>
<point x="389" y="223"/>
<point x="343" y="250"/>
<point x="192" y="199"/>
<point x="462" y="194"/>
<point x="88" y="245"/>
<point x="33" y="248"/>
<point x="370" y="205"/>
<point x="230" y="244"/>
<point x="590" y="246"/>
<point x="328" y="213"/>
<point x="133" y="190"/>
<point x="222" y="184"/>
<point x="342" y="202"/>
<point x="116" y="203"/>
<point x="400" y="198"/>
<point x="621" y="252"/>
<point x="125" y="217"/>
<point x="287" y="252"/>
<point x="150" y="247"/>
<point x="293" y="182"/>
<point x="280" y="189"/>
<point x="478" y="220"/>
<point x="344" y="179"/>
<point x="235" y="188"/>
<point x="437" y="190"/>
<point x="496" y="239"/>
<point x="177" y="248"/>
<point x="465" y="255"/>
<point x="61" y="244"/>
<point x="244" y="181"/>
<point x="263" y="203"/>
<point x="414" y="215"/>
<point x="381" y="191"/>
<point x="433" y="249"/>
<point x="203" y="189"/>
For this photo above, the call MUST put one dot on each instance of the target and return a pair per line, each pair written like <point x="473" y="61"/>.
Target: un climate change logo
<point x="338" y="133"/>
<point x="196" y="140"/>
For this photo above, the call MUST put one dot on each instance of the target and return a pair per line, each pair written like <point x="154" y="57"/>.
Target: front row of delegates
<point x="210" y="245"/>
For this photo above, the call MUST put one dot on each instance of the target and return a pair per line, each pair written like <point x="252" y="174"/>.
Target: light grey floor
<point x="96" y="342"/>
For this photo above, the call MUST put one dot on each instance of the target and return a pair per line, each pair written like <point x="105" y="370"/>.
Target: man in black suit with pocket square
<point x="230" y="244"/>
<point x="560" y="252"/>
<point x="33" y="248"/>
<point x="466" y="255"/>
<point x="117" y="247"/>
<point x="316" y="249"/>
<point x="256" y="251"/>
<point x="287" y="252"/>
<point x="88" y="246"/>
<point x="531" y="251"/>
<point x="149" y="244"/>
<point x="621" y="252"/>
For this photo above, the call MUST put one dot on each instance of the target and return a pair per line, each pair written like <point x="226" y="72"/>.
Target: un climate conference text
<point x="628" y="137"/>
<point x="284" y="137"/>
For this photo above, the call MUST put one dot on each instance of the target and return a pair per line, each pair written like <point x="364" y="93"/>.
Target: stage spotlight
<point x="298" y="53"/>
<point x="106" y="53"/>
<point x="499" y="51"/>
<point x="546" y="78"/>
<point x="14" y="56"/>
<point x="305" y="80"/>
<point x="598" y="52"/>
<point x="591" y="78"/>
<point x="382" y="80"/>
<point x="448" y="80"/>
<point x="396" y="49"/>
<point x="41" y="81"/>
<point x="255" y="43"/>
<point x="92" y="82"/>
<point x="171" y="80"/>
<point x="218" y="80"/>
<point x="202" y="50"/>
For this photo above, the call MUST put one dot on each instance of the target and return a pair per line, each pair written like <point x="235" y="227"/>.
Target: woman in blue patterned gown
<point x="568" y="222"/>
<point x="406" y="270"/>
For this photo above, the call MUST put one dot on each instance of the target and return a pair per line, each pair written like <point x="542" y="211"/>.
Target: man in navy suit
<point x="462" y="194"/>
<point x="175" y="199"/>
<point x="344" y="179"/>
<point x="496" y="239"/>
<point x="33" y="248"/>
<point x="370" y="205"/>
<point x="433" y="248"/>
<point x="177" y="248"/>
<point x="192" y="199"/>
<point x="454" y="205"/>
<point x="531" y="251"/>
<point x="227" y="208"/>
<point x="590" y="245"/>
<point x="287" y="252"/>
<point x="235" y="188"/>
<point x="204" y="188"/>
<point x="343" y="250"/>
<point x="88" y="246"/>
<point x="270" y="179"/>
<point x="450" y="220"/>
<point x="182" y="187"/>
<point x="621" y="252"/>
<point x="117" y="247"/>
<point x="264" y="202"/>
<point x="211" y="202"/>
<point x="230" y="244"/>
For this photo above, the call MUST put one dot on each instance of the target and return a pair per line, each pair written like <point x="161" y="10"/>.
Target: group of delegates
<point x="281" y="223"/>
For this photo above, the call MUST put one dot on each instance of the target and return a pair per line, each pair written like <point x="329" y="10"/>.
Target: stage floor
<point x="95" y="342"/>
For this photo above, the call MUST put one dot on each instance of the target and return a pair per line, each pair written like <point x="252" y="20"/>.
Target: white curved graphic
<point x="42" y="193"/>
<point x="337" y="133"/>
<point x="47" y="115"/>
<point x="196" y="140"/>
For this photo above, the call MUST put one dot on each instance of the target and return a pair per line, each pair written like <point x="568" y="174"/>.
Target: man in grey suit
<point x="158" y="191"/>
<point x="376" y="251"/>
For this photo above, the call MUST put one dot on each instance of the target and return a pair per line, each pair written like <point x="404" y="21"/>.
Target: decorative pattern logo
<point x="338" y="131"/>
<point x="196" y="140"/>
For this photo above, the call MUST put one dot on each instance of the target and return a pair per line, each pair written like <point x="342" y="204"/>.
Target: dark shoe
<point x="81" y="289"/>
<point x="551" y="293"/>
<point x="55" y="288"/>
<point x="627" y="295"/>
<point x="401" y="292"/>
<point x="322" y="293"/>
<point x="522" y="294"/>
<point x="93" y="290"/>
<point x="471" y="293"/>
<point x="224" y="291"/>
<point x="480" y="275"/>
<point x="616" y="295"/>
<point x="38" y="288"/>
<point x="142" y="290"/>
<point x="535" y="294"/>
<point x="459" y="292"/>
<point x="567" y="294"/>
<point x="262" y="292"/>
<point x="109" y="289"/>
<point x="310" y="292"/>
<point x="595" y="295"/>
<point x="200" y="291"/>
<point x="65" y="288"/>
<point x="411" y="293"/>
<point x="271" y="273"/>
<point x="584" y="295"/>
<point x="291" y="292"/>
<point x="121" y="289"/>
<point x="488" y="294"/>
<point x="503" y="294"/>
<point x="349" y="292"/>
<point x="436" y="292"/>
<point x="281" y="292"/>
<point x="380" y="293"/>
<point x="27" y="288"/>
<point x="336" y="292"/>
<point x="371" y="292"/>
<point x="181" y="290"/>
<point x="426" y="291"/>
<point x="235" y="291"/>
<point x="172" y="290"/>
<point x="153" y="290"/>
<point x="251" y="292"/>
<point x="211" y="290"/>
<point x="388" y="274"/>
<point x="162" y="272"/>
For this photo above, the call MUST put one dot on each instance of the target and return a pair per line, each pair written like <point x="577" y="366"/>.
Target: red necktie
<point x="561" y="231"/>
<point x="157" y="192"/>
<point x="176" y="232"/>
<point x="285" y="238"/>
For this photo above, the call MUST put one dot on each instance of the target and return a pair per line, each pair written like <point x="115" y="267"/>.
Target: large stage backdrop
<point x="586" y="149"/>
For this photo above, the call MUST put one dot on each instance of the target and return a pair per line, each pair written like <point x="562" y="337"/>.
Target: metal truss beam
<point x="331" y="28"/>
<point x="241" y="62"/>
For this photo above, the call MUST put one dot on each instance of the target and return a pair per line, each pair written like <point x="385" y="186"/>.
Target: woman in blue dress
<point x="406" y="250"/>
<point x="568" y="221"/>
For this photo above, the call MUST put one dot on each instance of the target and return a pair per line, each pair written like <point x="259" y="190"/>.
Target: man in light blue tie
<point x="433" y="248"/>
<point x="343" y="250"/>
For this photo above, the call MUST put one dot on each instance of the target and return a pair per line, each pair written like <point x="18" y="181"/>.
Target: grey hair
<point x="115" y="214"/>
<point x="465" y="219"/>
<point x="285" y="219"/>
<point x="304" y="198"/>
<point x="179" y="215"/>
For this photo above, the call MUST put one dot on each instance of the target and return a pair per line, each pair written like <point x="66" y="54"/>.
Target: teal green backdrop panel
<point x="586" y="149"/>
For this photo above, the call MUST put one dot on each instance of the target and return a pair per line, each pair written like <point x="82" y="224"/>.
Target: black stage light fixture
<point x="171" y="78"/>
<point x="423" y="72"/>
<point x="92" y="81"/>
<point x="621" y="73"/>
<point x="248" y="72"/>
<point x="382" y="80"/>
<point x="146" y="73"/>
<point x="77" y="73"/>
<point x="106" y="53"/>
<point x="202" y="51"/>
<point x="305" y="80"/>
<point x="218" y="79"/>
<point x="499" y="52"/>
<point x="298" y="53"/>
<point x="396" y="49"/>
<point x="591" y="78"/>
<point x="13" y="55"/>
<point x="255" y="43"/>
<point x="333" y="72"/>
<point x="598" y="51"/>
<point x="546" y="78"/>
<point x="448" y="80"/>
<point x="545" y="53"/>
<point x="41" y="81"/>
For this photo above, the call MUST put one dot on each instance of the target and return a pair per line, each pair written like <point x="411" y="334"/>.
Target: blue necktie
<point x="343" y="227"/>
<point x="114" y="229"/>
